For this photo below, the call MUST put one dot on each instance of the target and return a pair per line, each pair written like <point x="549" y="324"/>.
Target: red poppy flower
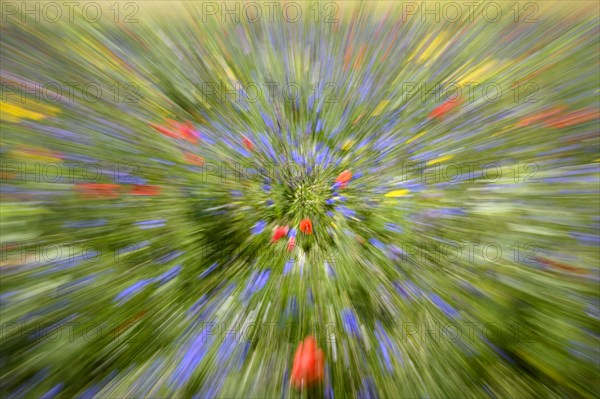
<point x="291" y="244"/>
<point x="540" y="116"/>
<point x="573" y="118"/>
<point x="165" y="131"/>
<point x="306" y="226"/>
<point x="247" y="143"/>
<point x="193" y="159"/>
<point x="188" y="130"/>
<point x="182" y="131"/>
<point x="558" y="265"/>
<point x="185" y="131"/>
<point x="98" y="190"/>
<point x="309" y="363"/>
<point x="140" y="189"/>
<point x="444" y="109"/>
<point x="279" y="233"/>
<point x="344" y="178"/>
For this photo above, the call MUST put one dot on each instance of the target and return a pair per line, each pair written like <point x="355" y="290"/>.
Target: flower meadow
<point x="299" y="199"/>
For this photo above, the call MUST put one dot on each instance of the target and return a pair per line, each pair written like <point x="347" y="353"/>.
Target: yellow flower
<point x="347" y="145"/>
<point x="397" y="193"/>
<point x="14" y="113"/>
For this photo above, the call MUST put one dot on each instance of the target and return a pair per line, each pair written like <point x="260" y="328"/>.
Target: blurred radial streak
<point x="299" y="199"/>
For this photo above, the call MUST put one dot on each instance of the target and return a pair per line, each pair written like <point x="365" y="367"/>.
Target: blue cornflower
<point x="443" y="306"/>
<point x="350" y="322"/>
<point x="258" y="227"/>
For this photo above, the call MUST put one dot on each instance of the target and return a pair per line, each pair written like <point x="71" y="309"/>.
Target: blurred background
<point x="299" y="199"/>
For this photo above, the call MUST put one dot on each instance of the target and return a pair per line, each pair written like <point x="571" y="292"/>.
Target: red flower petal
<point x="306" y="226"/>
<point x="139" y="189"/>
<point x="247" y="143"/>
<point x="308" y="363"/>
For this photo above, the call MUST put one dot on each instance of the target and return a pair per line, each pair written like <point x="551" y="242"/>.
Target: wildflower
<point x="258" y="227"/>
<point x="279" y="232"/>
<point x="291" y="244"/>
<point x="193" y="159"/>
<point x="129" y="292"/>
<point x="443" y="109"/>
<point x="98" y="190"/>
<point x="350" y="322"/>
<point x="540" y="116"/>
<point x="397" y="193"/>
<point x="444" y="306"/>
<point x="573" y="118"/>
<point x="347" y="212"/>
<point x="344" y="178"/>
<point x="306" y="226"/>
<point x="288" y="266"/>
<point x="184" y="131"/>
<point x="247" y="143"/>
<point x="168" y="275"/>
<point x="181" y="131"/>
<point x="308" y="364"/>
<point x="559" y="265"/>
<point x="150" y="224"/>
<point x="377" y="244"/>
<point x="209" y="270"/>
<point x="187" y="131"/>
<point x="141" y="189"/>
<point x="393" y="227"/>
<point x="165" y="131"/>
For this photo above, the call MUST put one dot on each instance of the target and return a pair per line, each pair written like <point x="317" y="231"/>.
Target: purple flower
<point x="53" y="391"/>
<point x="131" y="291"/>
<point x="443" y="306"/>
<point x="209" y="270"/>
<point x="347" y="212"/>
<point x="168" y="275"/>
<point x="198" y="305"/>
<point x="150" y="224"/>
<point x="350" y="322"/>
<point x="377" y="244"/>
<point x="586" y="239"/>
<point x="258" y="227"/>
<point x="196" y="350"/>
<point x="368" y="390"/>
<point x="393" y="227"/>
<point x="384" y="352"/>
<point x="169" y="257"/>
<point x="499" y="351"/>
<point x="329" y="269"/>
<point x="288" y="266"/>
